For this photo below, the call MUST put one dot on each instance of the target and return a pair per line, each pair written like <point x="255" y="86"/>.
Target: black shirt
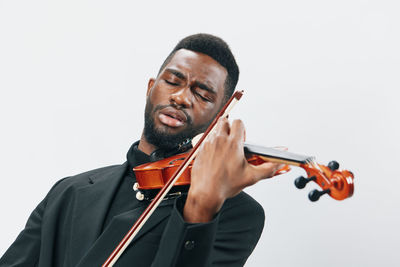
<point x="125" y="198"/>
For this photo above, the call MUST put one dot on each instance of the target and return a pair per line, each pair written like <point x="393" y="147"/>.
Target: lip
<point x="172" y="117"/>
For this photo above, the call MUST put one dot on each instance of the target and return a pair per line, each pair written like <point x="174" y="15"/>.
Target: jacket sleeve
<point x="227" y="240"/>
<point x="25" y="251"/>
<point x="26" y="248"/>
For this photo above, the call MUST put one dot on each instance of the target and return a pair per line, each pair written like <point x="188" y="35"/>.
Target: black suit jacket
<point x="66" y="229"/>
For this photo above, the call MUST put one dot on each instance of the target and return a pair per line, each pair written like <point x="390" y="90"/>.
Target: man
<point x="84" y="217"/>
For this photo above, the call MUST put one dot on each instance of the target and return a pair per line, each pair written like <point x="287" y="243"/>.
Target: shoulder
<point x="84" y="178"/>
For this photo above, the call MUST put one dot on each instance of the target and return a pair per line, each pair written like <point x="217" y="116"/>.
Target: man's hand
<point x="221" y="171"/>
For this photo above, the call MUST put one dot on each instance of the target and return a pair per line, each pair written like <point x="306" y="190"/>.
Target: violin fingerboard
<point x="270" y="152"/>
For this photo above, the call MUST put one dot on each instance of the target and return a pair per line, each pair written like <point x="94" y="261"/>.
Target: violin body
<point x="155" y="175"/>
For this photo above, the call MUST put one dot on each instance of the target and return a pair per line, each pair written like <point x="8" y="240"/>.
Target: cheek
<point x="205" y="113"/>
<point x="156" y="95"/>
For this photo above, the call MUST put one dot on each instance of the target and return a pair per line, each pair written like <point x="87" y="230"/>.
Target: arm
<point x="219" y="173"/>
<point x="227" y="240"/>
<point x="26" y="248"/>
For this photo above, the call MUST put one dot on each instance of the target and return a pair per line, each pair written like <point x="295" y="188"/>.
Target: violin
<point x="338" y="184"/>
<point x="150" y="177"/>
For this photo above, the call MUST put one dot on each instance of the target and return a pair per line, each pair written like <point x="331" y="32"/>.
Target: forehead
<point x="199" y="66"/>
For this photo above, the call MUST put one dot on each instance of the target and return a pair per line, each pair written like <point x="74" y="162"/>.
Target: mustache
<point x="159" y="107"/>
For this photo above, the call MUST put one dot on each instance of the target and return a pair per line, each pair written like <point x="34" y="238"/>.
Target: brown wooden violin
<point x="338" y="184"/>
<point x="175" y="171"/>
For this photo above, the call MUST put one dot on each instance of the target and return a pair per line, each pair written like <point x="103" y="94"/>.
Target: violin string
<point x="316" y="166"/>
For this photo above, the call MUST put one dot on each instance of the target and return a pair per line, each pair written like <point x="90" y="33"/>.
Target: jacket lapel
<point x="90" y="208"/>
<point x="118" y="228"/>
<point x="163" y="210"/>
<point x="90" y="246"/>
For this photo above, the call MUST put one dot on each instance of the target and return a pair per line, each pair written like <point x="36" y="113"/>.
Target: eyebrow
<point x="177" y="73"/>
<point x="205" y="87"/>
<point x="201" y="85"/>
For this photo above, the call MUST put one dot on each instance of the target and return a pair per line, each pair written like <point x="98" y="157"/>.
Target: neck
<point x="145" y="146"/>
<point x="276" y="155"/>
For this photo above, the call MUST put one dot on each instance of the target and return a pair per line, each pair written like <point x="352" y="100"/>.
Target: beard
<point x="162" y="138"/>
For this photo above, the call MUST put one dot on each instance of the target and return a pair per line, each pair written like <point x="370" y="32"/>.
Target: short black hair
<point x="214" y="47"/>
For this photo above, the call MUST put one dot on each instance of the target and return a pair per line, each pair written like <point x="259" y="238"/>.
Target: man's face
<point x="184" y="98"/>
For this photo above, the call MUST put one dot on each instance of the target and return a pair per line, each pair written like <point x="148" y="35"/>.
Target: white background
<point x="320" y="77"/>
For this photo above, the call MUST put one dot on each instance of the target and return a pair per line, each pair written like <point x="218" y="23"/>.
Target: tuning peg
<point x="333" y="165"/>
<point x="301" y="182"/>
<point x="314" y="195"/>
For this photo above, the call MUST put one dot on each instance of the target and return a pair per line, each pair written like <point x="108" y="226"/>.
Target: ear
<point x="150" y="85"/>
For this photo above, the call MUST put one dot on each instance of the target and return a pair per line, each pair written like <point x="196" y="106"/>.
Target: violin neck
<point x="276" y="155"/>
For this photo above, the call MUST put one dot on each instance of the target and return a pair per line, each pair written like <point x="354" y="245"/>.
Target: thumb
<point x="263" y="171"/>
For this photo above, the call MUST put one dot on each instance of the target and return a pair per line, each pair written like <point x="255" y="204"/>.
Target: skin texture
<point x="193" y="84"/>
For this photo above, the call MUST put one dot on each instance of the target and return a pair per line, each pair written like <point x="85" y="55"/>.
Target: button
<point x="135" y="187"/>
<point x="139" y="196"/>
<point x="189" y="245"/>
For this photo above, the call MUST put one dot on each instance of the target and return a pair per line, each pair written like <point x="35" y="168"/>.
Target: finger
<point x="222" y="127"/>
<point x="238" y="131"/>
<point x="263" y="171"/>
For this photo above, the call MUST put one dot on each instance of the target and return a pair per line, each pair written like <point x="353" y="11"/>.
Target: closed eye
<point x="203" y="97"/>
<point x="171" y="83"/>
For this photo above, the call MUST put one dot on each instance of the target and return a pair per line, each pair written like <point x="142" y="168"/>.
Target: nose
<point x="182" y="97"/>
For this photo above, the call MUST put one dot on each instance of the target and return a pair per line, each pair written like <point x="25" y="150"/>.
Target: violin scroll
<point x="334" y="182"/>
